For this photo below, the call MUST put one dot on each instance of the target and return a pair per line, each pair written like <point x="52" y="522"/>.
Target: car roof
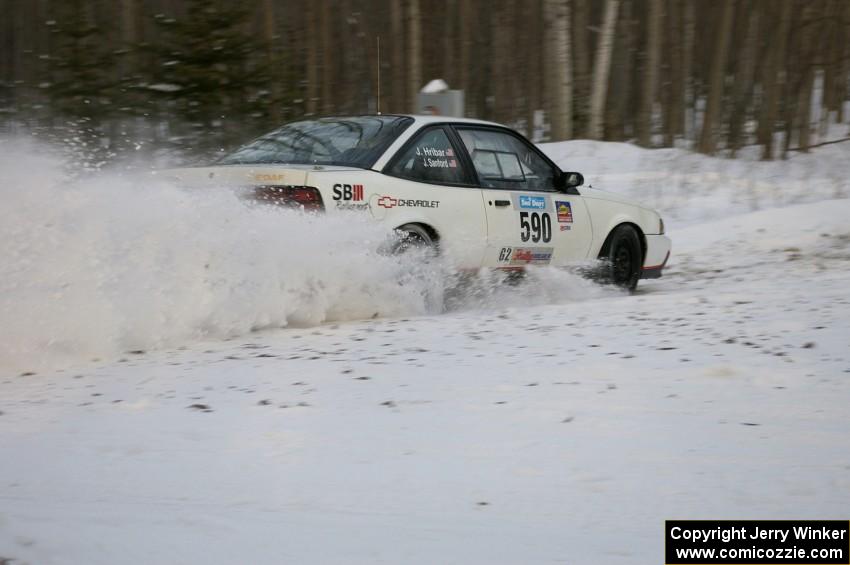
<point x="431" y="119"/>
<point x="422" y="119"/>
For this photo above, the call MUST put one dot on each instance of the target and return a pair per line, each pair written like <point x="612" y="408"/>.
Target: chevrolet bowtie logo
<point x="387" y="202"/>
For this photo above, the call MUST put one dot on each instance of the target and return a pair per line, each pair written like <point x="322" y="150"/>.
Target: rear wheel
<point x="624" y="257"/>
<point x="419" y="247"/>
<point x="413" y="237"/>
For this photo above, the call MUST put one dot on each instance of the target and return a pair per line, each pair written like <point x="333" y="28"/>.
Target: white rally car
<point x="479" y="193"/>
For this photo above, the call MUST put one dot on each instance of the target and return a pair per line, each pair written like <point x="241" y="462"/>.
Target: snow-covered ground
<point x="554" y="422"/>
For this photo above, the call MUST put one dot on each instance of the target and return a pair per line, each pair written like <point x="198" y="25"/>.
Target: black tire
<point x="412" y="237"/>
<point x="624" y="257"/>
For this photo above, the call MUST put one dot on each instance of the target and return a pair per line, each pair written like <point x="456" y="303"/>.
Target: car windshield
<point x="354" y="142"/>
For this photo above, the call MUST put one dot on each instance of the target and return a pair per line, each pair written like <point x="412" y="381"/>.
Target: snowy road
<point x="546" y="434"/>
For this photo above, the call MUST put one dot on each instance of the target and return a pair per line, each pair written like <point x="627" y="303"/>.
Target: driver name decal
<point x="440" y="158"/>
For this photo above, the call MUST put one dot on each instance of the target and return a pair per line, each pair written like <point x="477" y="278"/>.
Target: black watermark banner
<point x="757" y="542"/>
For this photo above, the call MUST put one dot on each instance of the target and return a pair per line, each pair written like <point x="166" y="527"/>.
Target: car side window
<point x="505" y="161"/>
<point x="430" y="158"/>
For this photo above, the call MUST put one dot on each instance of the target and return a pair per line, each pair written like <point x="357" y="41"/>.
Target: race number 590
<point x="534" y="226"/>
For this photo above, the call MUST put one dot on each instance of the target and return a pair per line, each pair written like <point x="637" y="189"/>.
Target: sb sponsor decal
<point x="518" y="256"/>
<point x="391" y="202"/>
<point x="352" y="192"/>
<point x="532" y="202"/>
<point x="349" y="197"/>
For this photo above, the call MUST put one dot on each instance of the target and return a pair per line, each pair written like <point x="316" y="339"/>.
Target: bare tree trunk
<point x="789" y="101"/>
<point x="129" y="32"/>
<point x="804" y="111"/>
<point x="773" y="79"/>
<point x="466" y="30"/>
<point x="619" y="114"/>
<point x="414" y="54"/>
<point x="602" y="70"/>
<point x="812" y="29"/>
<point x="687" y="127"/>
<point x="744" y="78"/>
<point x="832" y="54"/>
<point x="482" y="55"/>
<point x="449" y="69"/>
<point x="558" y="15"/>
<point x="536" y="82"/>
<point x="311" y="14"/>
<point x="499" y="73"/>
<point x="582" y="74"/>
<point x="708" y="141"/>
<point x="7" y="53"/>
<point x="399" y="103"/>
<point x="672" y="90"/>
<point x="844" y="70"/>
<point x="651" y="72"/>
<point x="327" y="58"/>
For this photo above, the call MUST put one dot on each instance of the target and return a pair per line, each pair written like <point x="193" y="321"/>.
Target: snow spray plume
<point x="105" y="264"/>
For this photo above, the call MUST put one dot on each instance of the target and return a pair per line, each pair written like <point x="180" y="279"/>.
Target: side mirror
<point x="571" y="179"/>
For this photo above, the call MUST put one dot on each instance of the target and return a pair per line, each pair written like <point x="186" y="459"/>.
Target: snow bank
<point x="689" y="187"/>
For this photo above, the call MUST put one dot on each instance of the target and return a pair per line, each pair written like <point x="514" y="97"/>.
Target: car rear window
<point x="350" y="141"/>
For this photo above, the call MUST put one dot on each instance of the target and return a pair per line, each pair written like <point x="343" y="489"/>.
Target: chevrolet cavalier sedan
<point x="478" y="193"/>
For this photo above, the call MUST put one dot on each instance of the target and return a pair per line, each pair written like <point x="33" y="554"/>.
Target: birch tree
<point x="558" y="14"/>
<point x="707" y="142"/>
<point x="650" y="73"/>
<point x="414" y="54"/>
<point x="744" y="79"/>
<point x="312" y="95"/>
<point x="602" y="70"/>
<point x="774" y="75"/>
<point x="327" y="58"/>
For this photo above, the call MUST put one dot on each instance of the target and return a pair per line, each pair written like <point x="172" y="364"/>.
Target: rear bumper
<point x="657" y="253"/>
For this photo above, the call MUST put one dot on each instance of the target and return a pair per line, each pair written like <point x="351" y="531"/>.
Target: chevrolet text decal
<point x="390" y="202"/>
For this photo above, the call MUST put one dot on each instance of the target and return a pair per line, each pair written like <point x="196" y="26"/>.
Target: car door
<point x="426" y="183"/>
<point x="529" y="222"/>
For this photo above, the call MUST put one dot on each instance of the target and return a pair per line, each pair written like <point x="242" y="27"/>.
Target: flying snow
<point x="95" y="267"/>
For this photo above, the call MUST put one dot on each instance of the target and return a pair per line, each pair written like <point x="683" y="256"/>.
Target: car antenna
<point x="378" y="103"/>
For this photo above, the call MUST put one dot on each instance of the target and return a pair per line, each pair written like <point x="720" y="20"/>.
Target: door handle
<point x="503" y="202"/>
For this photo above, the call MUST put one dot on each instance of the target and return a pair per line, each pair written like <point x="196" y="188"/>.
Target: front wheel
<point x="624" y="257"/>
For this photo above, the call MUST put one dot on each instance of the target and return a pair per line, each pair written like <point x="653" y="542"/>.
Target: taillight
<point x="305" y="198"/>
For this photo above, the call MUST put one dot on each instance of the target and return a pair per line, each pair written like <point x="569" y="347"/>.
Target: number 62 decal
<point x="534" y="226"/>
